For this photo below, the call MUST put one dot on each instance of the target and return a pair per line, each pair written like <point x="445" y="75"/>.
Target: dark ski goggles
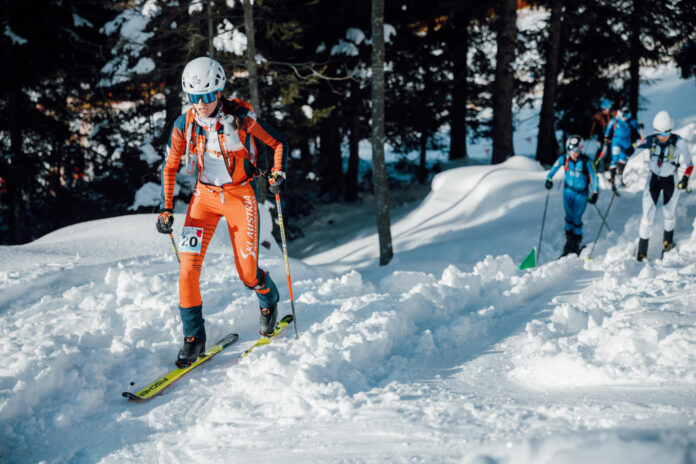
<point x="663" y="134"/>
<point x="206" y="97"/>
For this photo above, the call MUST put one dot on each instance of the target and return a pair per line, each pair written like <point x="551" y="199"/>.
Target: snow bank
<point x="449" y="354"/>
<point x="634" y="326"/>
<point x="666" y="447"/>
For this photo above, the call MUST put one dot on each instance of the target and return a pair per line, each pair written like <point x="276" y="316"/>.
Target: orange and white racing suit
<point x="225" y="157"/>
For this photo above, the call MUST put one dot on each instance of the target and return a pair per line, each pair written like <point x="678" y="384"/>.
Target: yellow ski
<point x="160" y="384"/>
<point x="163" y="382"/>
<point x="284" y="322"/>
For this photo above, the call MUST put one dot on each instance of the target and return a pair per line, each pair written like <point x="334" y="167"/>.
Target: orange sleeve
<point x="175" y="150"/>
<point x="271" y="137"/>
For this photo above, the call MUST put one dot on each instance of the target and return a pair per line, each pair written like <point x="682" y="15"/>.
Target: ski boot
<point x="193" y="347"/>
<point x="268" y="320"/>
<point x="577" y="248"/>
<point x="612" y="180"/>
<point x="667" y="241"/>
<point x="621" y="168"/>
<point x="569" y="246"/>
<point x="642" y="249"/>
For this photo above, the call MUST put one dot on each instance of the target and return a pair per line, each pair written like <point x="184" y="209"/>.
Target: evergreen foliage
<point x="91" y="89"/>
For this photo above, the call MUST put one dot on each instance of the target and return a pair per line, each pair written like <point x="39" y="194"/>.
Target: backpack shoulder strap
<point x="585" y="160"/>
<point x="189" y="128"/>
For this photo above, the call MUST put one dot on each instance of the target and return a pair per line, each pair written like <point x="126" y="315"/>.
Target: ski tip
<point x="228" y="340"/>
<point x="287" y="318"/>
<point x="131" y="396"/>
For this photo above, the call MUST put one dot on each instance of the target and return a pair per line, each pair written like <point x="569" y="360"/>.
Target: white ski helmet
<point x="663" y="122"/>
<point x="203" y="75"/>
<point x="574" y="143"/>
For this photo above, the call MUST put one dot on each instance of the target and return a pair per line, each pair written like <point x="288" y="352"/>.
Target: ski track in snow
<point x="486" y="364"/>
<point x="450" y="354"/>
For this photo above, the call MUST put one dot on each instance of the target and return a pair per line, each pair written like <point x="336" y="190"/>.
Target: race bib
<point x="191" y="240"/>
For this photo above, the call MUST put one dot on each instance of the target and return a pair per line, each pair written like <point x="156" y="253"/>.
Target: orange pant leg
<point x="201" y="221"/>
<point x="242" y="215"/>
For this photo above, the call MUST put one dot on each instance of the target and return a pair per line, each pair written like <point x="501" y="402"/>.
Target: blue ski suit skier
<point x="580" y="178"/>
<point x="622" y="126"/>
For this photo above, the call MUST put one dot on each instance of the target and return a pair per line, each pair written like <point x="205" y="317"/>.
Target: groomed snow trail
<point x="460" y="360"/>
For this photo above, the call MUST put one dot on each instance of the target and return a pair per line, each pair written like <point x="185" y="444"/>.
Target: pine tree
<point x="379" y="173"/>
<point x="547" y="145"/>
<point x="503" y="91"/>
<point x="52" y="55"/>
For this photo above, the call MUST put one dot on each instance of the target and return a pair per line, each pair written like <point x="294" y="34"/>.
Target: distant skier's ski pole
<point x="176" y="252"/>
<point x="543" y="221"/>
<point x="287" y="263"/>
<point x="604" y="220"/>
<point x="600" y="215"/>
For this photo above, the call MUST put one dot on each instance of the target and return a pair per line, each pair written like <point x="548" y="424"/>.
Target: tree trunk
<point x="503" y="88"/>
<point x="305" y="154"/>
<point x="351" y="181"/>
<point x="330" y="171"/>
<point x="422" y="167"/>
<point x="14" y="176"/>
<point x="459" y="47"/>
<point x="211" y="48"/>
<point x="634" y="60"/>
<point x="547" y="145"/>
<point x="379" y="176"/>
<point x="251" y="56"/>
<point x="253" y="82"/>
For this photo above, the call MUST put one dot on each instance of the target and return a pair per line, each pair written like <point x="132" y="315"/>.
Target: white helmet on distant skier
<point x="203" y="75"/>
<point x="663" y="122"/>
<point x="574" y="143"/>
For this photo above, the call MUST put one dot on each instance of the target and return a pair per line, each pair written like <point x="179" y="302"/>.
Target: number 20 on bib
<point x="191" y="239"/>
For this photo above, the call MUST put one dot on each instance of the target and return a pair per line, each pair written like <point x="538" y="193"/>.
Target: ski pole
<point x="600" y="215"/>
<point x="604" y="220"/>
<point x="543" y="220"/>
<point x="176" y="252"/>
<point x="287" y="263"/>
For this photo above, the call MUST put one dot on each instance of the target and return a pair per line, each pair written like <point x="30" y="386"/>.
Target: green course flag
<point x="529" y="261"/>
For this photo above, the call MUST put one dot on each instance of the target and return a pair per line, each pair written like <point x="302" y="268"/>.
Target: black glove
<point x="683" y="183"/>
<point x="548" y="184"/>
<point x="165" y="221"/>
<point x="276" y="183"/>
<point x="630" y="150"/>
<point x="593" y="198"/>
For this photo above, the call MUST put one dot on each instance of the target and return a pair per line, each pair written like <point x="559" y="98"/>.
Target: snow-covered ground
<point x="449" y="354"/>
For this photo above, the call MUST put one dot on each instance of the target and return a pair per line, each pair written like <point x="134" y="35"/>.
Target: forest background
<point x="89" y="90"/>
